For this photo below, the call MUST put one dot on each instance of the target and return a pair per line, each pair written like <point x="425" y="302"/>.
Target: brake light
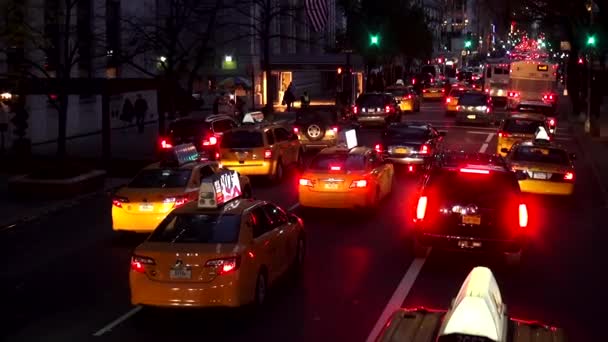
<point x="551" y="122"/>
<point x="335" y="168"/>
<point x="378" y="148"/>
<point x="548" y="97"/>
<point x="424" y="149"/>
<point x="305" y="182"/>
<point x="503" y="135"/>
<point x="361" y="183"/>
<point x="448" y="100"/>
<point x="117" y="201"/>
<point x="355" y="109"/>
<point x="267" y="154"/>
<point x="296" y="130"/>
<point x="210" y="142"/>
<point x="138" y="263"/>
<point x="421" y="207"/>
<point x="569" y="176"/>
<point x="388" y="109"/>
<point x="523" y="216"/>
<point x="224" y="265"/>
<point x="335" y="129"/>
<point x="409" y="97"/>
<point x="177" y="201"/>
<point x="477" y="171"/>
<point x="425" y="90"/>
<point x="513" y="94"/>
<point x="165" y="144"/>
<point x="410" y="168"/>
<point x="443" y="90"/>
<point x="487" y="90"/>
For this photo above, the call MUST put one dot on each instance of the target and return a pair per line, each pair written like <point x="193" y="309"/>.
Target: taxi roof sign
<point x="541" y="134"/>
<point x="351" y="138"/>
<point x="478" y="309"/>
<point x="219" y="189"/>
<point x="185" y="153"/>
<point x="253" y="117"/>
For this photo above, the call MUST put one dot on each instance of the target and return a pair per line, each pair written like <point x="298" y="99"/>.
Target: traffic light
<point x="468" y="44"/>
<point x="591" y="41"/>
<point x="374" y="40"/>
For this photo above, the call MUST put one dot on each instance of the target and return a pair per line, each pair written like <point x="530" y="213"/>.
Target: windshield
<point x="519" y="126"/>
<point x="188" y="128"/>
<point x="407" y="133"/>
<point x="346" y="162"/>
<point x="541" y="155"/>
<point x="456" y="93"/>
<point x="371" y="100"/>
<point x="198" y="228"/>
<point x="242" y="139"/>
<point x="158" y="178"/>
<point x="455" y="186"/>
<point x="399" y="92"/>
<point x="473" y="100"/>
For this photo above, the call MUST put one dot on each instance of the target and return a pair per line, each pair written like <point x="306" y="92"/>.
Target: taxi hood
<point x="478" y="309"/>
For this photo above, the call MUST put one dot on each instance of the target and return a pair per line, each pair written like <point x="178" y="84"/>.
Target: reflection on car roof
<point x="451" y="159"/>
<point x="344" y="150"/>
<point x="411" y="124"/>
<point x="234" y="207"/>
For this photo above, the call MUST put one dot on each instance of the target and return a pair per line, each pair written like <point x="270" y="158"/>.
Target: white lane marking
<point x="398" y="297"/>
<point x="490" y="136"/>
<point x="117" y="321"/>
<point x="293" y="207"/>
<point x="483" y="148"/>
<point x="477" y="132"/>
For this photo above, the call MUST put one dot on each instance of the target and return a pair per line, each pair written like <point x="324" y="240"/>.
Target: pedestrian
<point x="305" y="100"/>
<point x="127" y="111"/>
<point x="140" y="108"/>
<point x="289" y="97"/>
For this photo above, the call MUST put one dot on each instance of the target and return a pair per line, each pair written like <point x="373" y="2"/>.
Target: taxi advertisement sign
<point x="185" y="153"/>
<point x="219" y="189"/>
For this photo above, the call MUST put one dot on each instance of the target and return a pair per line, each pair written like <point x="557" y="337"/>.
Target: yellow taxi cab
<point x="260" y="149"/>
<point x="346" y="177"/>
<point x="451" y="102"/>
<point x="519" y="127"/>
<point x="435" y="91"/>
<point x="161" y="187"/>
<point x="219" y="251"/>
<point x="542" y="167"/>
<point x="406" y="97"/>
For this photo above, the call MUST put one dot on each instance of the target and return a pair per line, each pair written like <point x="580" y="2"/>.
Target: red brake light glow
<point x="378" y="148"/>
<point x="267" y="154"/>
<point x="138" y="263"/>
<point x="335" y="129"/>
<point x="503" y="135"/>
<point x="117" y="201"/>
<point x="361" y="183"/>
<point x="305" y="182"/>
<point x="443" y="90"/>
<point x="569" y="176"/>
<point x="477" y="171"/>
<point x="551" y="122"/>
<point x="523" y="216"/>
<point x="410" y="168"/>
<point x="335" y="168"/>
<point x="421" y="207"/>
<point x="165" y="144"/>
<point x="355" y="109"/>
<point x="225" y="265"/>
<point x="210" y="142"/>
<point x="296" y="130"/>
<point x="424" y="149"/>
<point x="409" y="97"/>
<point x="448" y="100"/>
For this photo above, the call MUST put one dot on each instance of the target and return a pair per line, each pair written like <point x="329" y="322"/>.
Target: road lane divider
<point x="490" y="137"/>
<point x="117" y="321"/>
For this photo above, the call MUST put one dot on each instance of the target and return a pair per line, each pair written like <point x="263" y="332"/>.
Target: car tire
<point x="261" y="289"/>
<point x="279" y="172"/>
<point x="317" y="128"/>
<point x="420" y="251"/>
<point x="513" y="259"/>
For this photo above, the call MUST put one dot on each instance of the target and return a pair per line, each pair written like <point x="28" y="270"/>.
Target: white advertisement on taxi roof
<point x="227" y="187"/>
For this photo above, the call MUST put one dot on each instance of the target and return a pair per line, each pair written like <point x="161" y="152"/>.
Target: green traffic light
<point x="374" y="40"/>
<point x="591" y="41"/>
<point x="467" y="44"/>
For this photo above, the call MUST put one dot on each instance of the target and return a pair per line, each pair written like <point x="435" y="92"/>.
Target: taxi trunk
<point x="544" y="179"/>
<point x="506" y="140"/>
<point x="335" y="189"/>
<point x="248" y="161"/>
<point x="185" y="274"/>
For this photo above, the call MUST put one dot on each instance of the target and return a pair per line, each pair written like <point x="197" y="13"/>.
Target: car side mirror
<point x="504" y="150"/>
<point x="573" y="156"/>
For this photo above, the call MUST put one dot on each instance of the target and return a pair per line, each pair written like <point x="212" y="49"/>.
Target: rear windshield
<point x="346" y="162"/>
<point x="198" y="228"/>
<point x="242" y="139"/>
<point x="188" y="128"/>
<point x="399" y="92"/>
<point x="456" y="93"/>
<point x="483" y="189"/>
<point x="406" y="133"/>
<point x="462" y="338"/>
<point x="316" y="115"/>
<point x="522" y="126"/>
<point x="371" y="100"/>
<point x="429" y="68"/>
<point x="473" y="100"/>
<point x="158" y="178"/>
<point x="541" y="155"/>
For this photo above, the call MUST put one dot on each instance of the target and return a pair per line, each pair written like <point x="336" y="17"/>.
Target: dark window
<point x="473" y="100"/>
<point x="541" y="155"/>
<point x="221" y="126"/>
<point x="158" y="178"/>
<point x="374" y="160"/>
<point x="242" y="139"/>
<point x="269" y="137"/>
<point x="113" y="36"/>
<point x="259" y="222"/>
<point x="429" y="69"/>
<point x="281" y="134"/>
<point x="188" y="128"/>
<point x="407" y="133"/>
<point x="522" y="126"/>
<point x="371" y="100"/>
<point x="489" y="190"/>
<point x="198" y="228"/>
<point x="276" y="216"/>
<point x="206" y="171"/>
<point x="456" y="93"/>
<point x="346" y="162"/>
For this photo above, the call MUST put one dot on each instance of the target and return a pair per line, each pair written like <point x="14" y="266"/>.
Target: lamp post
<point x="590" y="44"/>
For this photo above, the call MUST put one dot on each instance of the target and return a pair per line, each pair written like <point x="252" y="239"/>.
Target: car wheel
<point x="420" y="251"/>
<point x="278" y="173"/>
<point x="513" y="259"/>
<point x="261" y="289"/>
<point x="315" y="131"/>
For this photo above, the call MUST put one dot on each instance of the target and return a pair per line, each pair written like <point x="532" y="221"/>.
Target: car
<point x="376" y="108"/>
<point x="470" y="202"/>
<point x="451" y="101"/>
<point x="520" y="127"/>
<point x="219" y="251"/>
<point x="434" y="91"/>
<point x="345" y="178"/>
<point x="421" y="80"/>
<point x="542" y="167"/>
<point x="261" y="149"/>
<point x="318" y="127"/>
<point x="411" y="144"/>
<point x="477" y="313"/>
<point x="406" y="97"/>
<point x="475" y="107"/>
<point x="146" y="200"/>
<point x="204" y="133"/>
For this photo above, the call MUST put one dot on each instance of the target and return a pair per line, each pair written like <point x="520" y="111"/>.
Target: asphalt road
<point x="65" y="278"/>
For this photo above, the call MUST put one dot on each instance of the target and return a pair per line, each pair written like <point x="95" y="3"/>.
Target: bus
<point x="496" y="80"/>
<point x="532" y="86"/>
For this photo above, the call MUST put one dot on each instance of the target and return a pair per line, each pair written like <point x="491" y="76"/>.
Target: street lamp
<point x="163" y="59"/>
<point x="228" y="59"/>
<point x="374" y="40"/>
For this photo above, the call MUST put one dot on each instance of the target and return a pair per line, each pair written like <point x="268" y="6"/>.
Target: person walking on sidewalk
<point x="140" y="109"/>
<point x="305" y="100"/>
<point x="289" y="97"/>
<point x="127" y="111"/>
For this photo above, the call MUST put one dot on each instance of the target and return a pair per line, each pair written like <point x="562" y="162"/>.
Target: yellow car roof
<point x="234" y="207"/>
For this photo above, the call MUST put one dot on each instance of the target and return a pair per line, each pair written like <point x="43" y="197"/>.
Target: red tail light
<point x="425" y="90"/>
<point x="177" y="201"/>
<point x="138" y="263"/>
<point x="424" y="149"/>
<point x="165" y="144"/>
<point x="513" y="94"/>
<point x="413" y="81"/>
<point x="361" y="183"/>
<point x="569" y="176"/>
<point x="296" y="130"/>
<point x="477" y="171"/>
<point x="335" y="129"/>
<point x="443" y="90"/>
<point x="410" y="168"/>
<point x="388" y="109"/>
<point x="448" y="100"/>
<point x="224" y="265"/>
<point x="335" y="168"/>
<point x="421" y="207"/>
<point x="117" y="201"/>
<point x="355" y="109"/>
<point x="523" y="216"/>
<point x="552" y="122"/>
<point x="378" y="148"/>
<point x="267" y="154"/>
<point x="548" y="97"/>
<point x="409" y="97"/>
<point x="305" y="182"/>
<point x="210" y="141"/>
<point x="503" y="135"/>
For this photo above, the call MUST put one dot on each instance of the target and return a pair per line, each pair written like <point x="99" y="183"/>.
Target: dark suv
<point x="319" y="126"/>
<point x="471" y="202"/>
<point x="377" y="108"/>
<point x="204" y="133"/>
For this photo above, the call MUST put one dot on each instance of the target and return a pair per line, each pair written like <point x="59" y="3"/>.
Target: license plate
<point x="471" y="117"/>
<point x="180" y="273"/>
<point x="146" y="207"/>
<point x="401" y="150"/>
<point x="331" y="186"/>
<point x="539" y="175"/>
<point x="371" y="110"/>
<point x="471" y="219"/>
<point x="469" y="244"/>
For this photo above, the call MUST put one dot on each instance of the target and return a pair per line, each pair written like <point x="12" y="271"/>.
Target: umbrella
<point x="235" y="81"/>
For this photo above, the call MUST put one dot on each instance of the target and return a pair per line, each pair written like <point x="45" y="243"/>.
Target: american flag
<point x="317" y="11"/>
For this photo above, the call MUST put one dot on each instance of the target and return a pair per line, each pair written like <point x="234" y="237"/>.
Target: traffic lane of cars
<point x="558" y="276"/>
<point x="67" y="274"/>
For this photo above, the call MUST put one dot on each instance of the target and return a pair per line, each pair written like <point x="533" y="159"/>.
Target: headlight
<point x="481" y="108"/>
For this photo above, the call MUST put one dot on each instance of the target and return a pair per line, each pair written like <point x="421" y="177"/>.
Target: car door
<point x="279" y="221"/>
<point x="265" y="241"/>
<point x="285" y="145"/>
